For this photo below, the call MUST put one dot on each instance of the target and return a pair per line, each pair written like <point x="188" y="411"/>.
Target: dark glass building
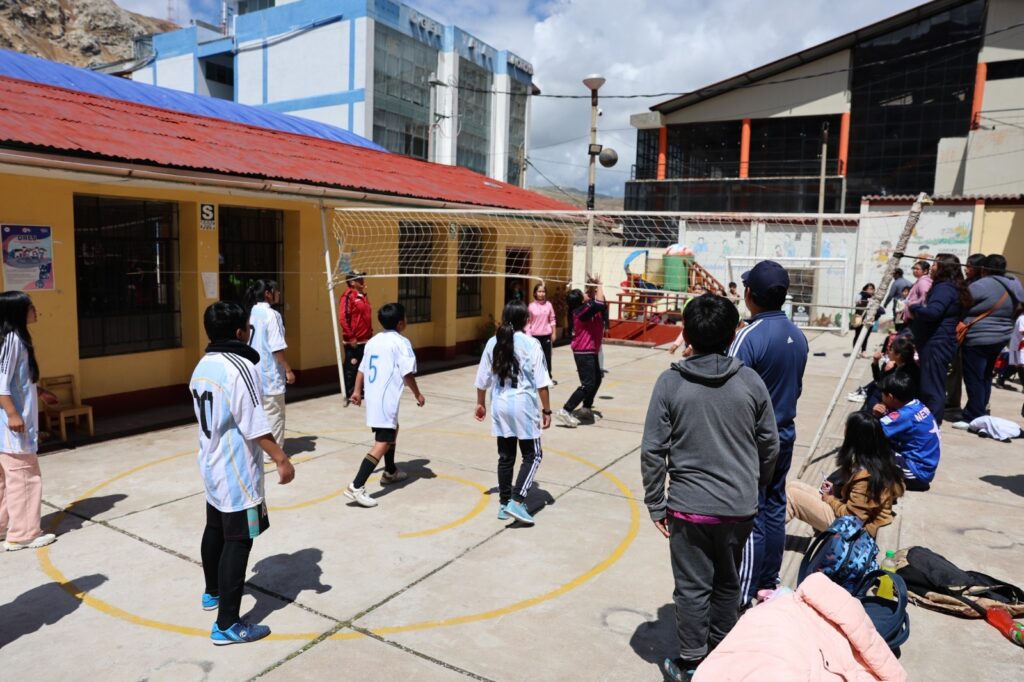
<point x="879" y="100"/>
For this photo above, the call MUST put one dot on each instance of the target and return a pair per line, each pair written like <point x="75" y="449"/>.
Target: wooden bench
<point x="68" y="406"/>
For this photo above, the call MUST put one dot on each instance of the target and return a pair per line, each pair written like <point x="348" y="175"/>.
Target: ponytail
<point x="504" y="361"/>
<point x="257" y="292"/>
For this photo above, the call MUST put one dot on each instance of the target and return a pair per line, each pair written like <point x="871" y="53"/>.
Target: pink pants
<point x="21" y="497"/>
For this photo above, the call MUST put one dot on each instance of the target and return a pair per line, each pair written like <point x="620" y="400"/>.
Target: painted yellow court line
<point x="481" y="504"/>
<point x="43" y="557"/>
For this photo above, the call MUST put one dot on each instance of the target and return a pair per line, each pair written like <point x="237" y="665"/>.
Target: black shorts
<point x="382" y="435"/>
<point x="239" y="525"/>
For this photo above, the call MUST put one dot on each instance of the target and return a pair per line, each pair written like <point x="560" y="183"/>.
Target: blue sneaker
<point x="239" y="633"/>
<point x="678" y="669"/>
<point x="517" y="511"/>
<point x="210" y="603"/>
<point x="503" y="512"/>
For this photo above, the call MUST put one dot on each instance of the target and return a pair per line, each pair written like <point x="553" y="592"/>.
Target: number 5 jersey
<point x="228" y="399"/>
<point x="387" y="360"/>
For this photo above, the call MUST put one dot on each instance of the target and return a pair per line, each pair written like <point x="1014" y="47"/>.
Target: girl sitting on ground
<point x="900" y="354"/>
<point x="866" y="484"/>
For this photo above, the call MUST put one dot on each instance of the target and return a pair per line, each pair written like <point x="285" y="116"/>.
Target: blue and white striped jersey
<point x="387" y="359"/>
<point x="266" y="336"/>
<point x="515" y="404"/>
<point x="16" y="381"/>
<point x="228" y="402"/>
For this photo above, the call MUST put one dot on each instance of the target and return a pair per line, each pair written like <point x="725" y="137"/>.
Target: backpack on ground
<point x="936" y="583"/>
<point x="845" y="552"/>
<point x="889" y="616"/>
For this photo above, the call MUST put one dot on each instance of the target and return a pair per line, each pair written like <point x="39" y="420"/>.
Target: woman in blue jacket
<point x="933" y="324"/>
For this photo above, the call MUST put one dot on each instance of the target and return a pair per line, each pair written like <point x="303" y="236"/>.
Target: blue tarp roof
<point x="25" y="67"/>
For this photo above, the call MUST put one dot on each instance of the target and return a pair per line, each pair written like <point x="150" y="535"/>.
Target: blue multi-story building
<point x="378" y="68"/>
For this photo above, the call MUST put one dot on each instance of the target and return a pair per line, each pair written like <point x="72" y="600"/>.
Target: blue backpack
<point x="889" y="616"/>
<point x="845" y="552"/>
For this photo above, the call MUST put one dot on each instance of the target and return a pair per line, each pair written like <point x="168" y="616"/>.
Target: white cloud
<point x="641" y="46"/>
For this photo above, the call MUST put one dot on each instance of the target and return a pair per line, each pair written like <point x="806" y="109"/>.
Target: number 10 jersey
<point x="228" y="401"/>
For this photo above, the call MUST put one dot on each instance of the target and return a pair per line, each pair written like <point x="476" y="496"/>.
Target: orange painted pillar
<point x="745" y="149"/>
<point x="844" y="141"/>
<point x="662" y="151"/>
<point x="979" y="94"/>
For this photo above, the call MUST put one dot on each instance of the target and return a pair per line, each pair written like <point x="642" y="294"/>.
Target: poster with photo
<point x="28" y="257"/>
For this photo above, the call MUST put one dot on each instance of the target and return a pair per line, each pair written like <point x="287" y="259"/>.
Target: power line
<point x="574" y="200"/>
<point x="755" y="84"/>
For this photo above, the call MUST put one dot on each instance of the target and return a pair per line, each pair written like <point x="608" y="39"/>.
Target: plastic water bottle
<point x="885" y="586"/>
<point x="1003" y="621"/>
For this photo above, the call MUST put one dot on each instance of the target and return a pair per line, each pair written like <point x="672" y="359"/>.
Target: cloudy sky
<point x="640" y="46"/>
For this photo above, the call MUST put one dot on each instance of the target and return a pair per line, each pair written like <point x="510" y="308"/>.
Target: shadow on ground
<point x="1015" y="484"/>
<point x="416" y="468"/>
<point x="286" y="575"/>
<point x="655" y="640"/>
<point x="41" y="606"/>
<point x="297" y="446"/>
<point x="74" y="517"/>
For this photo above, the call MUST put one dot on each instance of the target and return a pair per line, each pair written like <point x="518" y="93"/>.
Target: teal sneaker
<point x="210" y="602"/>
<point x="239" y="633"/>
<point x="517" y="511"/>
<point x="503" y="512"/>
<point x="679" y="670"/>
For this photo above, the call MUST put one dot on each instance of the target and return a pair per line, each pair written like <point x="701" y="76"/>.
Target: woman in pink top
<point x="918" y="292"/>
<point x="541" y="325"/>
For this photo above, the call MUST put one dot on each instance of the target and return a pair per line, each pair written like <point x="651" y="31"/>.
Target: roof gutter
<point x="199" y="179"/>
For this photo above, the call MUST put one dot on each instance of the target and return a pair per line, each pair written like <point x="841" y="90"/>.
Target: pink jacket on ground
<point x="817" y="633"/>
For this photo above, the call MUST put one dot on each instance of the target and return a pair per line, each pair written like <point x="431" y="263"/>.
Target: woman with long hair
<point x="21" y="483"/>
<point x="934" y="327"/>
<point x="513" y="368"/>
<point x="266" y="336"/>
<point x="865" y="485"/>
<point x="587" y="310"/>
<point x="860" y="307"/>
<point x="541" y="325"/>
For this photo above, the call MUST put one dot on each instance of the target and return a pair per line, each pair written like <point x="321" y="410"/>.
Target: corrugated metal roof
<point x="24" y="67"/>
<point x="911" y="198"/>
<point x="44" y="116"/>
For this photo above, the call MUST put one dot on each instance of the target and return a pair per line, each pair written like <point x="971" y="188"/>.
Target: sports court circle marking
<point x="47" y="566"/>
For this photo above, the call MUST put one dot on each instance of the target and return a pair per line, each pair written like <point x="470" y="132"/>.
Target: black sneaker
<point x="679" y="669"/>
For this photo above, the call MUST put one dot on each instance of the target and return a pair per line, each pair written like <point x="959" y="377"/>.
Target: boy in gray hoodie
<point x="710" y="435"/>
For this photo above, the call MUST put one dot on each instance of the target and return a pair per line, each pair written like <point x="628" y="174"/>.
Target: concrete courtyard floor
<point x="429" y="585"/>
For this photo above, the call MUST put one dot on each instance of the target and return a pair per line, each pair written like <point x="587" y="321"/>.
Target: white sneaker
<point x="567" y="419"/>
<point x="388" y="479"/>
<point x="41" y="541"/>
<point x="359" y="496"/>
<point x="962" y="425"/>
<point x="856" y="396"/>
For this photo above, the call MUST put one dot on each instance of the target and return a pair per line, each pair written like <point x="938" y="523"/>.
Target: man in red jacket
<point x="354" y="317"/>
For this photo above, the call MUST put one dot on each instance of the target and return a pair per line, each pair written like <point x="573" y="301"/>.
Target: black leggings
<point x="224" y="564"/>
<point x="353" y="356"/>
<point x="545" y="345"/>
<point x="507" y="463"/>
<point x="590" y="381"/>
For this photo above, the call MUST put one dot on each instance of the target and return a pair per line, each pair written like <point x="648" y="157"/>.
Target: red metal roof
<point x="55" y="118"/>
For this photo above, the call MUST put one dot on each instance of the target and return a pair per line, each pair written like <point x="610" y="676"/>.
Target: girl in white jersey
<point x="21" y="486"/>
<point x="266" y="336"/>
<point x="513" y="368"/>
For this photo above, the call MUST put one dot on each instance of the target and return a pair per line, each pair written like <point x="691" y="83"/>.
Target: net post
<point x="869" y="314"/>
<point x="331" y="300"/>
<point x="589" y="260"/>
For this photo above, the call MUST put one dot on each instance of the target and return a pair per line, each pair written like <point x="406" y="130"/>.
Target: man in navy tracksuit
<point x="776" y="349"/>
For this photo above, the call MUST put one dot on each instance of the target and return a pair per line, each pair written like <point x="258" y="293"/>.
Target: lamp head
<point x="594" y="81"/>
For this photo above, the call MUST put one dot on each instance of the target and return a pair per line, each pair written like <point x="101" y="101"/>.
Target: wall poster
<point x="28" y="257"/>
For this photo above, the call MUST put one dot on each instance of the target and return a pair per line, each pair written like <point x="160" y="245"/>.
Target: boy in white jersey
<point x="389" y="364"/>
<point x="266" y="335"/>
<point x="233" y="432"/>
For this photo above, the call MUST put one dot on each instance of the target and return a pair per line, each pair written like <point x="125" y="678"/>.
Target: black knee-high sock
<point x="233" y="560"/>
<point x="389" y="460"/>
<point x="365" y="469"/>
<point x="210" y="550"/>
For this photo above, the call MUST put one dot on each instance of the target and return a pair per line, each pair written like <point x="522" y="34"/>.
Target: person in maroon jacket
<point x="354" y="313"/>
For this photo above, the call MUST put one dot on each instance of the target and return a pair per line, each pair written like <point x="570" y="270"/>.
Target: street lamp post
<point x="593" y="82"/>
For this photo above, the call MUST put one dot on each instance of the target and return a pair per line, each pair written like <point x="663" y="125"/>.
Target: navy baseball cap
<point x="765" y="276"/>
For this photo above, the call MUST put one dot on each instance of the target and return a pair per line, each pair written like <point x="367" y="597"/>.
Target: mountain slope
<point x="78" y="32"/>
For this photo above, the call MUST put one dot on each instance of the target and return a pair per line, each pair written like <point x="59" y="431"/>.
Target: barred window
<point x="415" y="263"/>
<point x="126" y="267"/>
<point x="468" y="301"/>
<point x="251" y="248"/>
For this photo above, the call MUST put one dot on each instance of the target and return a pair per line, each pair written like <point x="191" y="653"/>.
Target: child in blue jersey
<point x="21" y="485"/>
<point x="910" y="428"/>
<point x="233" y="432"/>
<point x="513" y="367"/>
<point x="266" y="335"/>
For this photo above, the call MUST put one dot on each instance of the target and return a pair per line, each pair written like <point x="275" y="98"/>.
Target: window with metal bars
<point x="415" y="263"/>
<point x="468" y="299"/>
<point x="251" y="248"/>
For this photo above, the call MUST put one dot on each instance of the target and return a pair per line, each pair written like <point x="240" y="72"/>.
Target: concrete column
<point x="844" y="141"/>
<point x="500" y="105"/>
<point x="365" y="37"/>
<point x="745" y="149"/>
<point x="662" y="151"/>
<point x="447" y="98"/>
<point x="980" y="76"/>
<point x="199" y="251"/>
